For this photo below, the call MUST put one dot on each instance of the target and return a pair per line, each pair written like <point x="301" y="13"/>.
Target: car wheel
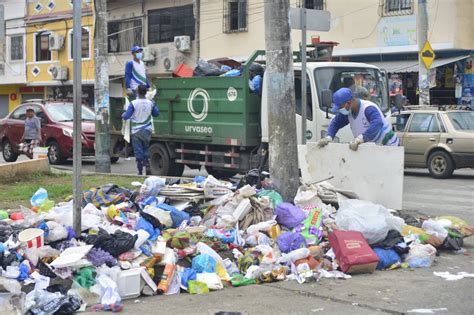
<point x="440" y="164"/>
<point x="54" y="154"/>
<point x="8" y="154"/>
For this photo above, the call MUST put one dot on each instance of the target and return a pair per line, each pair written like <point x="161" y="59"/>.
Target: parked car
<point x="56" y="129"/>
<point x="440" y="139"/>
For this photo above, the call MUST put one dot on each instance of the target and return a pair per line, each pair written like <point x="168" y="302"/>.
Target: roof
<point x="401" y="66"/>
<point x="315" y="65"/>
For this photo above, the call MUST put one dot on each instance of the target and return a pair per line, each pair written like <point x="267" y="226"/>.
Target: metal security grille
<point x="397" y="7"/>
<point x="125" y="34"/>
<point x="313" y="4"/>
<point x="235" y="16"/>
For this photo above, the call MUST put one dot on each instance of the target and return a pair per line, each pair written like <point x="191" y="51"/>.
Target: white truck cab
<point x="366" y="81"/>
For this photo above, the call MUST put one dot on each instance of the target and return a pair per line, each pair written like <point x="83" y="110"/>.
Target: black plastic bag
<point x="452" y="243"/>
<point x="115" y="244"/>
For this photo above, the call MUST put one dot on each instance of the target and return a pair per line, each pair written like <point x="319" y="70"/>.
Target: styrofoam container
<point x="129" y="283"/>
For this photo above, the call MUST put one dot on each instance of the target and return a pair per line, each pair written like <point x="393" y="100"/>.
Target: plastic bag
<point x="372" y="220"/>
<point x="290" y="241"/>
<point x="294" y="255"/>
<point x="307" y="195"/>
<point x="197" y="287"/>
<point x="204" y="263"/>
<point x="421" y="256"/>
<point x="226" y="236"/>
<point x="387" y="257"/>
<point x="39" y="197"/>
<point x="152" y="186"/>
<point x="213" y="188"/>
<point x="186" y="275"/>
<point x="204" y="69"/>
<point x="161" y="215"/>
<point x="275" y="197"/>
<point x="312" y="227"/>
<point x="212" y="280"/>
<point x="57" y="232"/>
<point x="144" y="224"/>
<point x="177" y="216"/>
<point x="239" y="280"/>
<point x="262" y="226"/>
<point x="435" y="228"/>
<point x="289" y="215"/>
<point x="455" y="223"/>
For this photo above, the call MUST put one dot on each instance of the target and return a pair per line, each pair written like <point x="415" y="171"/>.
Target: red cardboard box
<point x="353" y="253"/>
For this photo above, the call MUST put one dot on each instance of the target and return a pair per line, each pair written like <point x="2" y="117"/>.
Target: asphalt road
<point x="402" y="291"/>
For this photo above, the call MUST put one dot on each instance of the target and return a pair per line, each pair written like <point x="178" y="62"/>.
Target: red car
<point x="56" y="130"/>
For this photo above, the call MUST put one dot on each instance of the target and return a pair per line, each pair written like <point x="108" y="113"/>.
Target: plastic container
<point x="40" y="153"/>
<point x="129" y="283"/>
<point x="242" y="209"/>
<point x="183" y="71"/>
<point x="32" y="238"/>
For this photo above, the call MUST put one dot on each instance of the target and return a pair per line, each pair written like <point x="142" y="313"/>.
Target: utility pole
<point x="422" y="30"/>
<point x="77" y="130"/>
<point x="101" y="90"/>
<point x="303" y="76"/>
<point x="283" y="151"/>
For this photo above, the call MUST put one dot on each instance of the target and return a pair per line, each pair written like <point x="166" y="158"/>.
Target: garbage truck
<point x="220" y="124"/>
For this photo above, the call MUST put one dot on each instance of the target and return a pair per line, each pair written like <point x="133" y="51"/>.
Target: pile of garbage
<point x="198" y="236"/>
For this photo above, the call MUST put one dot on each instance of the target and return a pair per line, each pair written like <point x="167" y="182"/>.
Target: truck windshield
<point x="63" y="112"/>
<point x="366" y="83"/>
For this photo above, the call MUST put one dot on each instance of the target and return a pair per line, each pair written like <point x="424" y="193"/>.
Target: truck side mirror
<point x="399" y="101"/>
<point x="326" y="100"/>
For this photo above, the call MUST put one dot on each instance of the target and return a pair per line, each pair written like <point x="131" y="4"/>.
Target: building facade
<point x="49" y="56"/>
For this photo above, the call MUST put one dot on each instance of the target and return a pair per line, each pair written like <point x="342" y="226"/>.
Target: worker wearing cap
<point x="367" y="121"/>
<point x="135" y="72"/>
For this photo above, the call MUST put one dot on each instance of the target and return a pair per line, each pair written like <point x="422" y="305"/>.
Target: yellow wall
<point x="59" y="57"/>
<point x="9" y="89"/>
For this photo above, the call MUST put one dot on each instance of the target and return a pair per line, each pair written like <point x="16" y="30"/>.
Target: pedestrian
<point x="256" y="78"/>
<point x="366" y="120"/>
<point x="135" y="73"/>
<point x="140" y="112"/>
<point x="32" y="135"/>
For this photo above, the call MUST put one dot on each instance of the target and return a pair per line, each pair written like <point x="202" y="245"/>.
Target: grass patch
<point x="18" y="191"/>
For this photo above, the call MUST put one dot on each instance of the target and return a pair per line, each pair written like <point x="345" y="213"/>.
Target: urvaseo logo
<point x="198" y="93"/>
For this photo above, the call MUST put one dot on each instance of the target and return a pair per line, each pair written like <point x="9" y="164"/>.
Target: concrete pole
<point x="422" y="30"/>
<point x="283" y="155"/>
<point x="303" y="76"/>
<point x="77" y="95"/>
<point x="101" y="90"/>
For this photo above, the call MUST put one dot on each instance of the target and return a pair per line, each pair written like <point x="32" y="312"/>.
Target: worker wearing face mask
<point x="367" y="122"/>
<point x="135" y="73"/>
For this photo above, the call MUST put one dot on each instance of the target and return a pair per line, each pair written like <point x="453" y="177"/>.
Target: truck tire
<point x="8" y="154"/>
<point x="161" y="164"/>
<point x="440" y="164"/>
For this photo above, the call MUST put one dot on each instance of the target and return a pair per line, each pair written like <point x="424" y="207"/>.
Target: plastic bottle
<point x="295" y="255"/>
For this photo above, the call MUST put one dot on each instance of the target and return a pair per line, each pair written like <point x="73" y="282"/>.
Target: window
<point x="84" y="43"/>
<point x="42" y="52"/>
<point x="397" y="7"/>
<point x="16" y="47"/>
<point x="123" y="35"/>
<point x="313" y="4"/>
<point x="424" y="123"/>
<point x="462" y="120"/>
<point x="165" y="24"/>
<point x="20" y="113"/>
<point x="309" y="100"/>
<point x="235" y="16"/>
<point x="401" y="122"/>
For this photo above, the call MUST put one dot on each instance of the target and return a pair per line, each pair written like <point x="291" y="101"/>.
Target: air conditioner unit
<point x="169" y="58"/>
<point x="149" y="54"/>
<point x="59" y="73"/>
<point x="182" y="43"/>
<point x="56" y="41"/>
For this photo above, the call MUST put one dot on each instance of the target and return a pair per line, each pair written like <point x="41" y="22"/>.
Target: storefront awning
<point x="401" y="66"/>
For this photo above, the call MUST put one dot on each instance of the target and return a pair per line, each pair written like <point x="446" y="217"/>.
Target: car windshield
<point x="366" y="83"/>
<point x="62" y="112"/>
<point x="462" y="120"/>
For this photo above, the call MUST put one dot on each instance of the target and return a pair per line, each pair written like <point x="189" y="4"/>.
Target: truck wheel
<point x="54" y="154"/>
<point x="8" y="154"/>
<point x="220" y="174"/>
<point x="160" y="162"/>
<point x="440" y="165"/>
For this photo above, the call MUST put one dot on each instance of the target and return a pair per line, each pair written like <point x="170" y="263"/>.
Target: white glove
<point x="324" y="142"/>
<point x="354" y="144"/>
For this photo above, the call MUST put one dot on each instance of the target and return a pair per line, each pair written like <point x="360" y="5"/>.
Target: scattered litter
<point x="427" y="310"/>
<point x="451" y="277"/>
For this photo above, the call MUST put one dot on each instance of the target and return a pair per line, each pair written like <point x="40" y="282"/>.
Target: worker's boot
<point x="146" y="164"/>
<point x="140" y="167"/>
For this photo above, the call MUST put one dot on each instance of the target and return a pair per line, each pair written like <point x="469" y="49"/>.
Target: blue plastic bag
<point x="226" y="236"/>
<point x="387" y="257"/>
<point x="39" y="197"/>
<point x="290" y="241"/>
<point x="186" y="275"/>
<point x="144" y="224"/>
<point x="232" y="73"/>
<point x="204" y="263"/>
<point x="177" y="216"/>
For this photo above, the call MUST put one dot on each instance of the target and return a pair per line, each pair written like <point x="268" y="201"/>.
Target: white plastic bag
<point x="212" y="280"/>
<point x="213" y="188"/>
<point x="152" y="186"/>
<point x="421" y="256"/>
<point x="262" y="226"/>
<point x="435" y="228"/>
<point x="372" y="220"/>
<point x="307" y="195"/>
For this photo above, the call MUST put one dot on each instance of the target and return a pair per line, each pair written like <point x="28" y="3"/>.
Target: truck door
<point x="310" y="125"/>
